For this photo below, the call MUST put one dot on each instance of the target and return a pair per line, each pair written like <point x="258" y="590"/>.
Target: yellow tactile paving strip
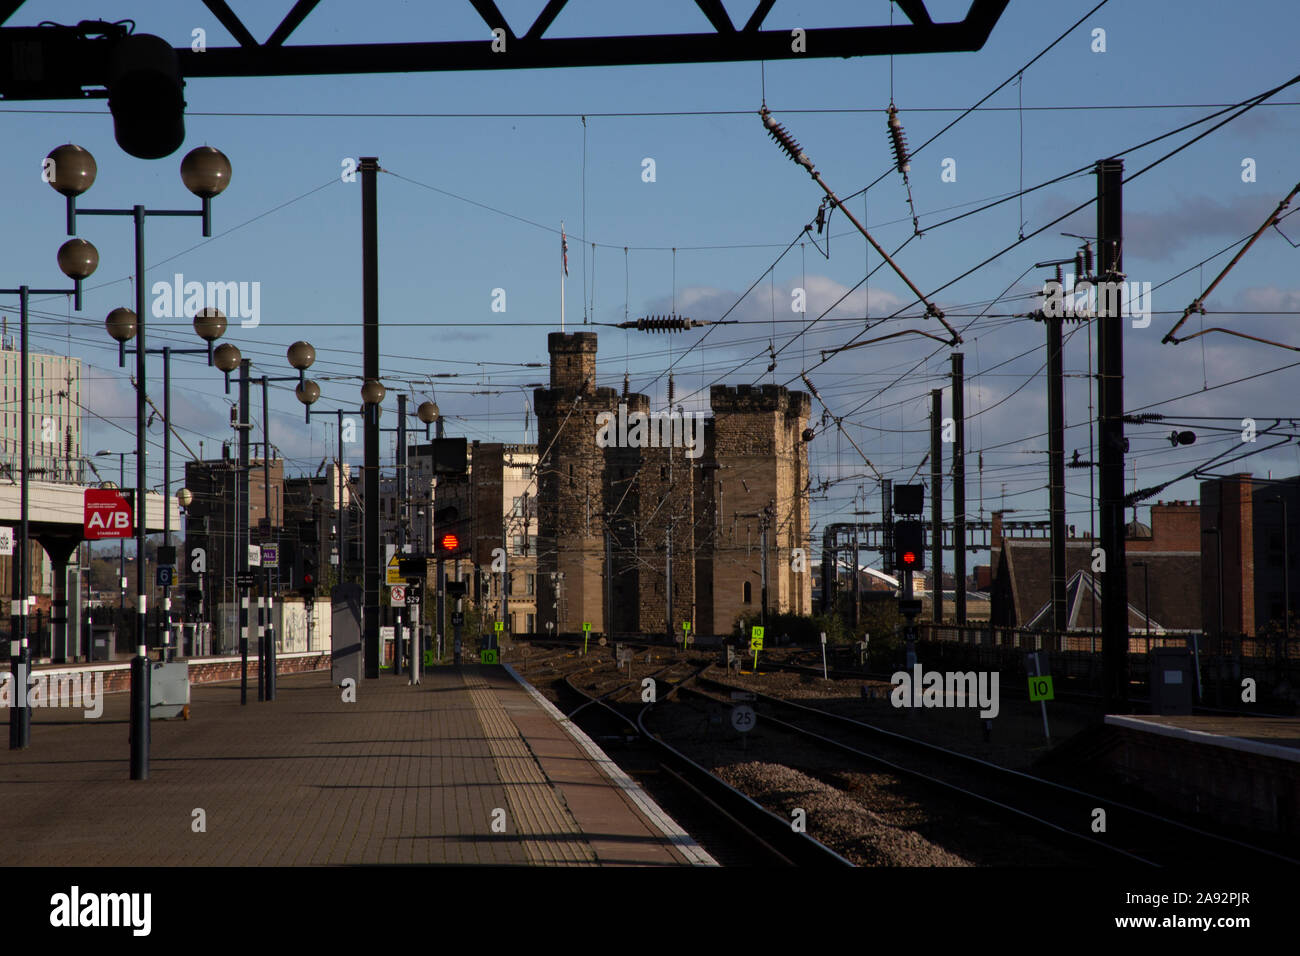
<point x="536" y="812"/>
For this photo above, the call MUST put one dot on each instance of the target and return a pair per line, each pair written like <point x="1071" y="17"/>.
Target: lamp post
<point x="185" y="498"/>
<point x="206" y="173"/>
<point x="427" y="413"/>
<point x="309" y="393"/>
<point x="209" y="325"/>
<point x="301" y="356"/>
<point x="77" y="259"/>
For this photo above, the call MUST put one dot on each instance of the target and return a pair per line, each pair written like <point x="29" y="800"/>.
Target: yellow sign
<point x="586" y="626"/>
<point x="686" y="625"/>
<point x="499" y="626"/>
<point x="488" y="656"/>
<point x="756" y="639"/>
<point x="395" y="571"/>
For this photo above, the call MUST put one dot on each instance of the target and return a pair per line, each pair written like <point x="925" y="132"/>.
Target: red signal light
<point x="909" y="557"/>
<point x="449" y="542"/>
<point x="308" y="579"/>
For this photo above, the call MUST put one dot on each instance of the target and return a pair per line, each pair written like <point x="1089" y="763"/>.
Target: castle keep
<point x="639" y="536"/>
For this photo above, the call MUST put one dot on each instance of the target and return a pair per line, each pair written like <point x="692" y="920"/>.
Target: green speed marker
<point x="586" y="635"/>
<point x="489" y="656"/>
<point x="499" y="626"/>
<point x="686" y="631"/>
<point x="1040" y="688"/>
<point x="756" y="643"/>
<point x="428" y="658"/>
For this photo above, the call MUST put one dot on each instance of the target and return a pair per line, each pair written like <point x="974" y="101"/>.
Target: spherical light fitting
<point x="205" y="171"/>
<point x="121" y="325"/>
<point x="209" y="324"/>
<point x="227" y="357"/>
<point x="301" y="355"/>
<point x="70" y="169"/>
<point x="308" y="392"/>
<point x="78" y="259"/>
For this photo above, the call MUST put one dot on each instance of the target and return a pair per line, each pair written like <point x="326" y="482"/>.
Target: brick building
<point x="1164" y="575"/>
<point x="1249" y="546"/>
<point x="495" y="503"/>
<point x="639" y="536"/>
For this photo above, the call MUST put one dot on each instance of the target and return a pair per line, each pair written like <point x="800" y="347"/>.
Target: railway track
<point x="1057" y="811"/>
<point x="732" y="827"/>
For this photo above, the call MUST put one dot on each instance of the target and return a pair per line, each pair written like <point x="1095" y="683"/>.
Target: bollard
<point x="140" y="700"/>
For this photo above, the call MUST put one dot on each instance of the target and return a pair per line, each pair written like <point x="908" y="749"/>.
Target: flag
<point x="564" y="250"/>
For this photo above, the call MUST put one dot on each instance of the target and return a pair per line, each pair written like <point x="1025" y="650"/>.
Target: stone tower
<point x="571" y="487"/>
<point x="758" y="481"/>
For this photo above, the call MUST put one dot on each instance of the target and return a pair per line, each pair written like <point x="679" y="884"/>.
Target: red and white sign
<point x="107" y="514"/>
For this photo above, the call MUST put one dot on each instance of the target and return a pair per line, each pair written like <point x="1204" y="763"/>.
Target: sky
<point x="481" y="168"/>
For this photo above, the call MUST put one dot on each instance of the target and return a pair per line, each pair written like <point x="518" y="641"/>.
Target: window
<point x="530" y="622"/>
<point x="530" y="587"/>
<point x="749" y="593"/>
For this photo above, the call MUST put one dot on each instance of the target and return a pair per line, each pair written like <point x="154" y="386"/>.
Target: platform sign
<point x="1040" y="688"/>
<point x="166" y="575"/>
<point x="254" y="555"/>
<point x="7" y="541"/>
<point x="106" y="513"/>
<point x="394" y="574"/>
<point x="270" y="555"/>
<point x="489" y="655"/>
<point x="414" y="595"/>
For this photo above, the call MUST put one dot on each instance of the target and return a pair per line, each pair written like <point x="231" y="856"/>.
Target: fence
<point x="1225" y="660"/>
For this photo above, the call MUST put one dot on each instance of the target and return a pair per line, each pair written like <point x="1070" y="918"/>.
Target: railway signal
<point x="909" y="545"/>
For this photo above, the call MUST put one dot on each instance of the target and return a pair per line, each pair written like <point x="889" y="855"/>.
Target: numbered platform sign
<point x="1040" y="688"/>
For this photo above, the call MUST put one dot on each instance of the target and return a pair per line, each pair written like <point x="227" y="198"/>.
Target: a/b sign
<point x="106" y="514"/>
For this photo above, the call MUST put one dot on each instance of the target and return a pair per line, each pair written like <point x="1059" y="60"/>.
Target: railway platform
<point x="470" y="767"/>
<point x="1241" y="769"/>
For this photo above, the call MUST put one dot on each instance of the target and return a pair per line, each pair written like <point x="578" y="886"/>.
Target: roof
<point x="1171" y="580"/>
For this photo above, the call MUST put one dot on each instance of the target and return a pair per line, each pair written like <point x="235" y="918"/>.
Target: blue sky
<point x="728" y="200"/>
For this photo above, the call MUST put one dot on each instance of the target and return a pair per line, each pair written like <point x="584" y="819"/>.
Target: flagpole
<point x="562" y="275"/>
